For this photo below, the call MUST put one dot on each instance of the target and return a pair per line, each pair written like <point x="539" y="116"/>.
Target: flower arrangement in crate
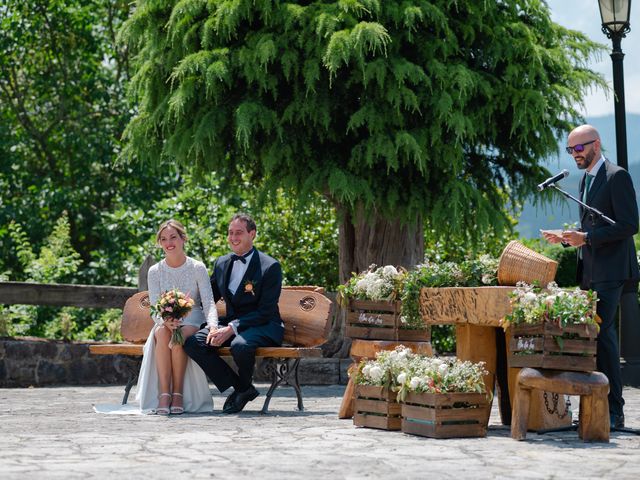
<point x="552" y="328"/>
<point x="443" y="397"/>
<point x="439" y="397"/>
<point x="375" y="400"/>
<point x="374" y="308"/>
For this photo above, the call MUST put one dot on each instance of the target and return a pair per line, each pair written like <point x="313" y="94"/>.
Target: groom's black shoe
<point x="616" y="421"/>
<point x="230" y="400"/>
<point x="240" y="400"/>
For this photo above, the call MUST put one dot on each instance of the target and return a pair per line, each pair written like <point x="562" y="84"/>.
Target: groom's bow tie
<point x="242" y="258"/>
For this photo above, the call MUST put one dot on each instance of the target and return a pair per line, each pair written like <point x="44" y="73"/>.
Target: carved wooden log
<point x="461" y="305"/>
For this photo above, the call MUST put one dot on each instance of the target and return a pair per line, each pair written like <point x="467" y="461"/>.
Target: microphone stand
<point x="594" y="213"/>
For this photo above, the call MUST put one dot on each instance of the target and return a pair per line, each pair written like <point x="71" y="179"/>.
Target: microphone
<point x="551" y="180"/>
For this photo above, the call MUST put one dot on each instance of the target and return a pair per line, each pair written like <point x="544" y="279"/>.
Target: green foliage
<point x="62" y="326"/>
<point x="62" y="111"/>
<point x="105" y="327"/>
<point x="57" y="261"/>
<point x="303" y="237"/>
<point x="438" y="110"/>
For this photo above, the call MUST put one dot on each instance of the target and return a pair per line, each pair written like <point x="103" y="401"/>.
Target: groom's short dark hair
<point x="248" y="221"/>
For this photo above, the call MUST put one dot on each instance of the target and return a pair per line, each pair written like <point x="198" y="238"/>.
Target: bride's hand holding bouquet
<point x="172" y="307"/>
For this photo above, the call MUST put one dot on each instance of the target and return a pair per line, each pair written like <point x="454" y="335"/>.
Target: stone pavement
<point x="54" y="433"/>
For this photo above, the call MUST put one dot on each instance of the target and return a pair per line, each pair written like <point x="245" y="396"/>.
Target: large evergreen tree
<point x="400" y="112"/>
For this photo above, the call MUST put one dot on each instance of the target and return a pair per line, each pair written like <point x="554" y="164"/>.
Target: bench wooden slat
<point x="273" y="352"/>
<point x="116" y="349"/>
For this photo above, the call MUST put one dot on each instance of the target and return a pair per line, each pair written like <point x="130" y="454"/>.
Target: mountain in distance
<point x="561" y="210"/>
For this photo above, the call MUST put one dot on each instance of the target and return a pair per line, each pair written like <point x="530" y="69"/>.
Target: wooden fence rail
<point x="62" y="295"/>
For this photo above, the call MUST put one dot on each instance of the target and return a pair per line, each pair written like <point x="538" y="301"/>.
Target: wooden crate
<point x="375" y="407"/>
<point x="445" y="415"/>
<point x="371" y="320"/>
<point x="546" y="345"/>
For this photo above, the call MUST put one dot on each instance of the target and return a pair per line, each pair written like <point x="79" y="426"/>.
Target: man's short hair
<point x="248" y="221"/>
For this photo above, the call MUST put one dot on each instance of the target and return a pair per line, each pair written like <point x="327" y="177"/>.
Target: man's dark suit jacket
<point x="255" y="303"/>
<point x="612" y="254"/>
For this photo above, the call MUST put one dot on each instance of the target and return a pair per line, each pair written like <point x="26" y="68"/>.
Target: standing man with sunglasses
<point x="607" y="261"/>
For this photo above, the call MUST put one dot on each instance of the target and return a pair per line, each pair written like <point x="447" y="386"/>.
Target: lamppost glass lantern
<point x="615" y="16"/>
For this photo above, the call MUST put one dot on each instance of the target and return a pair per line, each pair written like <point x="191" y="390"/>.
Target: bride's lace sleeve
<point x="206" y="295"/>
<point x="153" y="280"/>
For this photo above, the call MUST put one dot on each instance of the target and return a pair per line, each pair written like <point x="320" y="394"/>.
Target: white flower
<point x="375" y="373"/>
<point x="529" y="297"/>
<point x="443" y="368"/>
<point x="415" y="383"/>
<point x="361" y="285"/>
<point x="390" y="271"/>
<point x="402" y="378"/>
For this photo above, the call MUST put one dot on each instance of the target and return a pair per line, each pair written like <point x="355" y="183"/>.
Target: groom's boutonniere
<point x="248" y="287"/>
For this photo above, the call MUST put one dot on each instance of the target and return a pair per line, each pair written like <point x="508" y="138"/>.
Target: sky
<point x="584" y="16"/>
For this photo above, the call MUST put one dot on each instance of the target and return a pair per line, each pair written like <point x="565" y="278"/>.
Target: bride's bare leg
<point x="179" y="364"/>
<point x="163" y="364"/>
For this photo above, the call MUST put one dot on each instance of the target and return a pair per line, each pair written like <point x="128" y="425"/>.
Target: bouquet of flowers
<point x="533" y="305"/>
<point x="173" y="304"/>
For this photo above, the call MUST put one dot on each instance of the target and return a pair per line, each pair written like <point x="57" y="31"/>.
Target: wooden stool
<point x="592" y="387"/>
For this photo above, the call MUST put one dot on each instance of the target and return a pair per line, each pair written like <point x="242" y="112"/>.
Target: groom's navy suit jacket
<point x="255" y="303"/>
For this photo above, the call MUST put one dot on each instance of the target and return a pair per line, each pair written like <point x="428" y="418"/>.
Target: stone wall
<point x="37" y="362"/>
<point x="29" y="361"/>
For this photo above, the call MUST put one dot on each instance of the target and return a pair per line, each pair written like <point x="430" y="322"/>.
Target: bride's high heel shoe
<point x="163" y="410"/>
<point x="177" y="410"/>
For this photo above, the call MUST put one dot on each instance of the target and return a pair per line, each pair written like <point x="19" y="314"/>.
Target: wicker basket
<point x="521" y="264"/>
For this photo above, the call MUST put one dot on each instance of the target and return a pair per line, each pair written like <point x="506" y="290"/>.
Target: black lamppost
<point x="615" y="25"/>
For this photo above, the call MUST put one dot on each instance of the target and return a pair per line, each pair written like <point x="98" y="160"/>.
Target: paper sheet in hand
<point x="556" y="233"/>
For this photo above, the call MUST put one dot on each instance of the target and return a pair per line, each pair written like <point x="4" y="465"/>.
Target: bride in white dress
<point x="169" y="381"/>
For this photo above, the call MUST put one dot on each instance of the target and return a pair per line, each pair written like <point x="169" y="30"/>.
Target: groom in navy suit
<point x="249" y="282"/>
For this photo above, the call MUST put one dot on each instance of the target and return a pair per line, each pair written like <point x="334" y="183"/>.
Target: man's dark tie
<point x="587" y="184"/>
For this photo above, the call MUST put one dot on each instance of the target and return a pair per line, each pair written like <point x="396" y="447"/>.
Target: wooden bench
<point x="306" y="314"/>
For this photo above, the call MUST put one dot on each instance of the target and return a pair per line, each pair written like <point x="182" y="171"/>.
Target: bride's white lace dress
<point x="192" y="278"/>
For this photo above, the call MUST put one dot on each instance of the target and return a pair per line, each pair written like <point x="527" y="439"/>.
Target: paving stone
<point x="54" y="433"/>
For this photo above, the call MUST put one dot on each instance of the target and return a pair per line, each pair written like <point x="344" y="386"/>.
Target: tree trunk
<point x="366" y="240"/>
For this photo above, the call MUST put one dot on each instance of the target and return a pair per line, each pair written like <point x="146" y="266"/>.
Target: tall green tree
<point x="402" y="113"/>
<point x="62" y="112"/>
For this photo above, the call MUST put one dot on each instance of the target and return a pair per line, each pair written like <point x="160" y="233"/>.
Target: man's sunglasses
<point x="579" y="147"/>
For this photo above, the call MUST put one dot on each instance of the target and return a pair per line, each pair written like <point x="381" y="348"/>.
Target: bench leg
<point x="593" y="423"/>
<point x="282" y="370"/>
<point x="130" y="383"/>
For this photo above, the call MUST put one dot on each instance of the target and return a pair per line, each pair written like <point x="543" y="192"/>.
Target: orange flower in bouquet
<point x="173" y="304"/>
